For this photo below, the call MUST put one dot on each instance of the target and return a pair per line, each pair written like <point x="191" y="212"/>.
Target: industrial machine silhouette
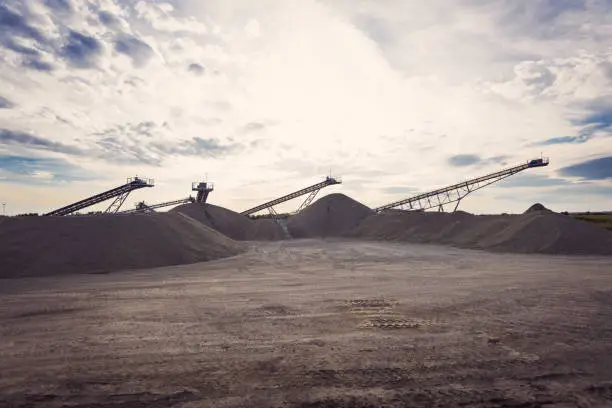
<point x="203" y="188"/>
<point x="120" y="194"/>
<point x="312" y="192"/>
<point x="143" y="207"/>
<point x="457" y="192"/>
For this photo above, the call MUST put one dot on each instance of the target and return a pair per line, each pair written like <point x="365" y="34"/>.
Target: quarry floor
<point x="315" y="323"/>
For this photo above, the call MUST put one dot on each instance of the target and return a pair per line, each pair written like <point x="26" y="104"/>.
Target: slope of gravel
<point x="332" y="215"/>
<point x="536" y="207"/>
<point x="533" y="232"/>
<point x="39" y="246"/>
<point x="550" y="233"/>
<point x="231" y="223"/>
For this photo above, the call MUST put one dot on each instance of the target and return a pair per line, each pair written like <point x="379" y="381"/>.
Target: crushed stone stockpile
<point x="537" y="207"/>
<point x="46" y="246"/>
<point x="332" y="215"/>
<point x="536" y="231"/>
<point x="232" y="224"/>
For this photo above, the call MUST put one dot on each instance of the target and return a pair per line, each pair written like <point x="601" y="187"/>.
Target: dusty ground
<point x="315" y="324"/>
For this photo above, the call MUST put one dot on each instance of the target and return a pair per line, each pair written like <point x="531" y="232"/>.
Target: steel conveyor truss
<point x="118" y="194"/>
<point x="457" y="192"/>
<point x="312" y="192"/>
<point x="142" y="207"/>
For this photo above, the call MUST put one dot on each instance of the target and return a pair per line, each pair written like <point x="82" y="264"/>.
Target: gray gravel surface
<point x="312" y="323"/>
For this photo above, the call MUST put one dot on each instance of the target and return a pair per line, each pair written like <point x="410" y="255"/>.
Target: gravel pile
<point x="536" y="208"/>
<point x="47" y="246"/>
<point x="232" y="224"/>
<point x="332" y="215"/>
<point x="536" y="231"/>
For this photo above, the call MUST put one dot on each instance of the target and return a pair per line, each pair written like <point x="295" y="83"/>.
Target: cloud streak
<point x="5" y="103"/>
<point x="35" y="170"/>
<point x="465" y="160"/>
<point x="596" y="169"/>
<point x="563" y="140"/>
<point x="23" y="139"/>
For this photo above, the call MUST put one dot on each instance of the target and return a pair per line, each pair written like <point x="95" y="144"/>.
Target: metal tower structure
<point x="203" y="188"/>
<point x="143" y="207"/>
<point x="312" y="192"/>
<point x="119" y="194"/>
<point x="457" y="192"/>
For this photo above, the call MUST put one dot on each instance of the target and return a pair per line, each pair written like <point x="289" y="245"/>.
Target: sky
<point x="265" y="97"/>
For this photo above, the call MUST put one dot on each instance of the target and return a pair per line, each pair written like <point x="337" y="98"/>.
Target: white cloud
<point x="45" y="175"/>
<point x="564" y="81"/>
<point x="159" y="16"/>
<point x="252" y="28"/>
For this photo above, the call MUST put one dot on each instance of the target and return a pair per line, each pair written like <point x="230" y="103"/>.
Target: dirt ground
<point x="312" y="323"/>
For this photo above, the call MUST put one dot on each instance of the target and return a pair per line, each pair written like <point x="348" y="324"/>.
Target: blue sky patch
<point x="38" y="170"/>
<point x="597" y="169"/>
<point x="596" y="121"/>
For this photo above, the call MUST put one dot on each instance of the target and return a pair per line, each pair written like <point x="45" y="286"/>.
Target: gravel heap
<point x="535" y="208"/>
<point x="232" y="224"/>
<point x="47" y="246"/>
<point x="539" y="231"/>
<point x="332" y="215"/>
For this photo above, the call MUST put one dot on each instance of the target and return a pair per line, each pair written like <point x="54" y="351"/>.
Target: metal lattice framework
<point x="142" y="207"/>
<point x="280" y="222"/>
<point x="457" y="192"/>
<point x="312" y="191"/>
<point x="203" y="188"/>
<point x="308" y="200"/>
<point x="119" y="194"/>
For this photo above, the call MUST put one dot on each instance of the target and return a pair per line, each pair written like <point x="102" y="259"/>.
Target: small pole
<point x="3" y="208"/>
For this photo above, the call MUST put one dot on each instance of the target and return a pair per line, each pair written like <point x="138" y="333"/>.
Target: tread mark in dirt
<point x="369" y="306"/>
<point x="395" y="324"/>
<point x="369" y="303"/>
<point x="378" y="313"/>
